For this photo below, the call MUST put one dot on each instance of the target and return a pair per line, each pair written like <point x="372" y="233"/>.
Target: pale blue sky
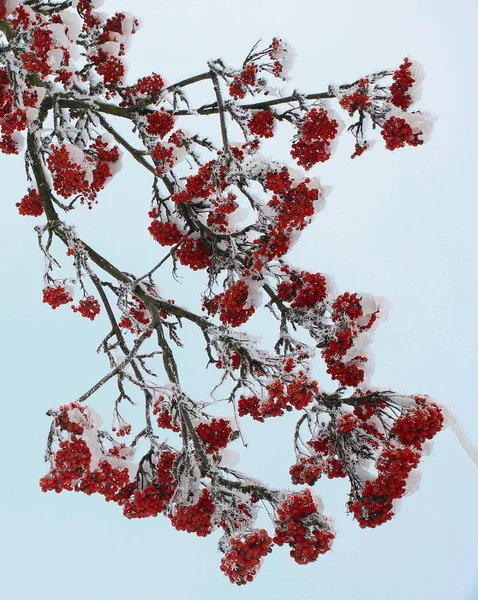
<point x="400" y="225"/>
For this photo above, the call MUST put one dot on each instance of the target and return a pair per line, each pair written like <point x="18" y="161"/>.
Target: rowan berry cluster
<point x="146" y="87"/>
<point x="194" y="254"/>
<point x="303" y="290"/>
<point x="214" y="435"/>
<point x="359" y="149"/>
<point x="313" y="144"/>
<point x="357" y="100"/>
<point x="376" y="504"/>
<point x="196" y="518"/>
<point x="242" y="561"/>
<point x="262" y="124"/>
<point x="105" y="480"/>
<point x="64" y="422"/>
<point x="217" y="218"/>
<point x="31" y="204"/>
<point x="397" y="133"/>
<point x="165" y="233"/>
<point x="139" y="317"/>
<point x="298" y="393"/>
<point x="56" y="295"/>
<point x="163" y="157"/>
<point x="72" y="460"/>
<point x="12" y="118"/>
<point x="159" y="123"/>
<point x="152" y="499"/>
<point x="231" y="305"/>
<point x="36" y="60"/>
<point x="403" y="80"/>
<point x="418" y="425"/>
<point x="301" y="526"/>
<point x="123" y="430"/>
<point x="306" y="471"/>
<point x="88" y="308"/>
<point x="163" y="415"/>
<point x="246" y="79"/>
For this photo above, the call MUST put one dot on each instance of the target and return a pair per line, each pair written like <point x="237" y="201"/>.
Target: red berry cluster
<point x="217" y="218"/>
<point x="397" y="132"/>
<point x="418" y="425"/>
<point x="197" y="518"/>
<point x="294" y="208"/>
<point x="31" y="204"/>
<point x="245" y="79"/>
<point x="105" y="480"/>
<point x="88" y="308"/>
<point x="358" y="100"/>
<point x="123" y="430"/>
<point x="214" y="435"/>
<point x="359" y="149"/>
<point x="109" y="66"/>
<point x="159" y="123"/>
<point x="316" y="133"/>
<point x="72" y="460"/>
<point x="55" y="296"/>
<point x="163" y="157"/>
<point x="304" y="290"/>
<point x="232" y="305"/>
<point x="306" y="471"/>
<point x="299" y="392"/>
<point x="345" y="311"/>
<point x="139" y="313"/>
<point x="163" y="416"/>
<point x="242" y="561"/>
<point x="325" y="455"/>
<point x="145" y="87"/>
<point x="376" y="505"/>
<point x="301" y="526"/>
<point x="347" y="423"/>
<point x="200" y="185"/>
<point x="68" y="177"/>
<point x="165" y="233"/>
<point x="402" y="82"/>
<point x="144" y="503"/>
<point x="347" y="305"/>
<point x="262" y="124"/>
<point x="63" y="420"/>
<point x="36" y="60"/>
<point x="194" y="254"/>
<point x="152" y="499"/>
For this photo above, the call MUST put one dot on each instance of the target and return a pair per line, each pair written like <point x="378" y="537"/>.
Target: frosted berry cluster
<point x="88" y="308"/>
<point x="302" y="527"/>
<point x="242" y="561"/>
<point x="313" y="144"/>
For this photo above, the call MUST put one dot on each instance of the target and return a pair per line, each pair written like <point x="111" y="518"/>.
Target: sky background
<point x="400" y="225"/>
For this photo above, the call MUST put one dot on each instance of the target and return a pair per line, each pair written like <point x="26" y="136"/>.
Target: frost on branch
<point x="220" y="207"/>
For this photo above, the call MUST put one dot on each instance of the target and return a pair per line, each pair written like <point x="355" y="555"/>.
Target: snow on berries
<point x="242" y="561"/>
<point x="61" y="65"/>
<point x="403" y="81"/>
<point x="315" y="135"/>
<point x="397" y="133"/>
<point x="303" y="528"/>
<point x="196" y="518"/>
